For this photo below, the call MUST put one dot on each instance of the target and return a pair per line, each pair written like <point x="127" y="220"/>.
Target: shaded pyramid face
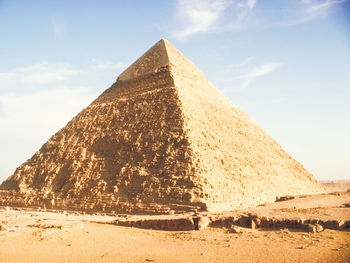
<point x="161" y="138"/>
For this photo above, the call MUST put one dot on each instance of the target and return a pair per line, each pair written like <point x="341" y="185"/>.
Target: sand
<point x="37" y="236"/>
<point x="336" y="186"/>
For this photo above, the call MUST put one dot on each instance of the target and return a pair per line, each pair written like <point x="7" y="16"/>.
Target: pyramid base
<point x="103" y="204"/>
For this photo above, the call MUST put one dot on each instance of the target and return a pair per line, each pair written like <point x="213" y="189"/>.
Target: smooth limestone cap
<point x="160" y="55"/>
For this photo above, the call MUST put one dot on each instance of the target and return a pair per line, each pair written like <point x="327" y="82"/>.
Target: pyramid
<point x="160" y="139"/>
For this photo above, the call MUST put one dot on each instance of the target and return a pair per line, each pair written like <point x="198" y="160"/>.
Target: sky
<point x="286" y="63"/>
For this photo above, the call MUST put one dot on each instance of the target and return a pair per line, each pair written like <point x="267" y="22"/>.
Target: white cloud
<point x="37" y="74"/>
<point x="258" y="72"/>
<point x="249" y="3"/>
<point x="312" y="9"/>
<point x="212" y="16"/>
<point x="199" y="15"/>
<point x="263" y="70"/>
<point x="237" y="77"/>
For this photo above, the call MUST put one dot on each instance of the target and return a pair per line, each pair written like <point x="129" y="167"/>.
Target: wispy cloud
<point x="211" y="16"/>
<point x="199" y="15"/>
<point x="226" y="73"/>
<point x="258" y="72"/>
<point x="41" y="73"/>
<point x="239" y="76"/>
<point x="313" y="9"/>
<point x="249" y="3"/>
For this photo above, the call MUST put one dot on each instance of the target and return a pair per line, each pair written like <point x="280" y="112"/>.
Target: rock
<point x="257" y="221"/>
<point x="203" y="222"/>
<point x="253" y="224"/>
<point x="235" y="230"/>
<point x="314" y="228"/>
<point x="335" y="224"/>
<point x="311" y="228"/>
<point x="284" y="198"/>
<point x="170" y="224"/>
<point x="319" y="228"/>
<point x="244" y="221"/>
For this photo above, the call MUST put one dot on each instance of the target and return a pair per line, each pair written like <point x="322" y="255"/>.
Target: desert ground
<point x="32" y="235"/>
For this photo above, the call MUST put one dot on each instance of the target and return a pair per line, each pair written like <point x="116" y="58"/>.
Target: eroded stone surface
<point x="161" y="139"/>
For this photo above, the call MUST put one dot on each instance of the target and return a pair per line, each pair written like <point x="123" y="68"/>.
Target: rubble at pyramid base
<point x="102" y="204"/>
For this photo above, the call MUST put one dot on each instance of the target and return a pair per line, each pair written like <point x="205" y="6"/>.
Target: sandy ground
<point x="336" y="186"/>
<point x="32" y="236"/>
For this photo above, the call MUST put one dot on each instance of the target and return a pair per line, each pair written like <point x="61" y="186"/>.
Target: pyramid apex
<point x="160" y="55"/>
<point x="154" y="58"/>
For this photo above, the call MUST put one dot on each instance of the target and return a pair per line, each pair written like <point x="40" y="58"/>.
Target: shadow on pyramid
<point x="161" y="139"/>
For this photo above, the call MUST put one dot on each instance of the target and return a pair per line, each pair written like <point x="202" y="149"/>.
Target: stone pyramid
<point x="161" y="138"/>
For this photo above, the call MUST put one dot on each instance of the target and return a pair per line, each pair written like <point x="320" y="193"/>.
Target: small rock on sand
<point x="319" y="228"/>
<point x="235" y="230"/>
<point x="314" y="228"/>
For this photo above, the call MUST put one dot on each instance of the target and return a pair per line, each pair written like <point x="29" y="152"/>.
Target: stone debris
<point x="254" y="222"/>
<point x="162" y="139"/>
<point x="170" y="224"/>
<point x="284" y="198"/>
<point x="311" y="228"/>
<point x="64" y="227"/>
<point x="234" y="224"/>
<point x="337" y="224"/>
<point x="236" y="230"/>
<point x="319" y="228"/>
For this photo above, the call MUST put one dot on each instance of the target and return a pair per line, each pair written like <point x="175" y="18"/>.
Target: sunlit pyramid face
<point x="161" y="138"/>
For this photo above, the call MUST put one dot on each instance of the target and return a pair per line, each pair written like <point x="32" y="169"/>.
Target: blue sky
<point x="286" y="63"/>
